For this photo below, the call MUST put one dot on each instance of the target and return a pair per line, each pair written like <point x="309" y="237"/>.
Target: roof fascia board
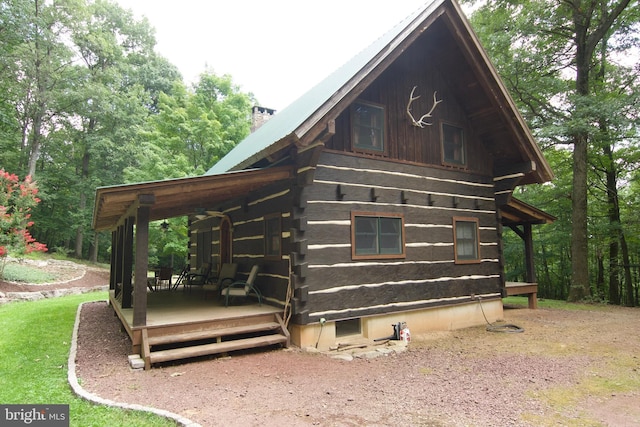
<point x="268" y="151"/>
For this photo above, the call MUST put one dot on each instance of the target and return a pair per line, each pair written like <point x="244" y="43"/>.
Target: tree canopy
<point x="87" y="102"/>
<point x="572" y="67"/>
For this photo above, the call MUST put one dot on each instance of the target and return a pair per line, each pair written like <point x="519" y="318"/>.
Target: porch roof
<point x="517" y="212"/>
<point x="178" y="197"/>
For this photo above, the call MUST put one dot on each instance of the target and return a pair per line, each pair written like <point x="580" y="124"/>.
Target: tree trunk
<point x="93" y="248"/>
<point x="600" y="275"/>
<point x="579" y="288"/>
<point x="82" y="205"/>
<point x="630" y="300"/>
<point x="80" y="229"/>
<point x="40" y="96"/>
<point x="614" y="225"/>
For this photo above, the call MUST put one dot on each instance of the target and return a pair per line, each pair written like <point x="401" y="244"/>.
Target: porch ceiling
<point x="178" y="197"/>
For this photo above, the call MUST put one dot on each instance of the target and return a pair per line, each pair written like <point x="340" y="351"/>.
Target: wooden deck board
<point x="528" y="289"/>
<point x="215" y="348"/>
<point x="177" y="307"/>
<point x="185" y="320"/>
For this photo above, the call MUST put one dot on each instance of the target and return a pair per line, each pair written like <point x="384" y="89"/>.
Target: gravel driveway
<point x="578" y="367"/>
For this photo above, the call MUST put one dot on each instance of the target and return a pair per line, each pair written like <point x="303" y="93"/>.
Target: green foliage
<point x="86" y="102"/>
<point x="34" y="348"/>
<point x="568" y="87"/>
<point x="16" y="272"/>
<point x="192" y="130"/>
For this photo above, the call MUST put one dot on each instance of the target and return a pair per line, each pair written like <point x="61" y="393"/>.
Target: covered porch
<point x="520" y="217"/>
<point x="172" y="324"/>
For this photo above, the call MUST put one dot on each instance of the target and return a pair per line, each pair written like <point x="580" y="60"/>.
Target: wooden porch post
<point x="127" y="261"/>
<point x="117" y="252"/>
<point x="528" y="254"/>
<point x="112" y="261"/>
<point x="142" y="260"/>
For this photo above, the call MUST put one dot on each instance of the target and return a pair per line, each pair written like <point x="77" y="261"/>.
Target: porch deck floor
<point x="166" y="308"/>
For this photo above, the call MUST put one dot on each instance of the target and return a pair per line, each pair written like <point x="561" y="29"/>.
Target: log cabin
<point x="377" y="197"/>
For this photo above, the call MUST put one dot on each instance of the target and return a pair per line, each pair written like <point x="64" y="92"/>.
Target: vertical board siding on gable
<point x="247" y="221"/>
<point x="417" y="66"/>
<point x="341" y="287"/>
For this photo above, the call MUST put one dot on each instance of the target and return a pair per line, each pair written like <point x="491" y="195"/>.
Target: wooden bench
<point x="528" y="289"/>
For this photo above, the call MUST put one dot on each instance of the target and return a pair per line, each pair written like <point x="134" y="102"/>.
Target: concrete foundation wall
<point x="419" y="322"/>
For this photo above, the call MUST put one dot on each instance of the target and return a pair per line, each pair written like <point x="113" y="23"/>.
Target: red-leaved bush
<point x="17" y="198"/>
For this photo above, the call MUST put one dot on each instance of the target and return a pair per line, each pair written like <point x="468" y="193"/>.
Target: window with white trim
<point x="466" y="240"/>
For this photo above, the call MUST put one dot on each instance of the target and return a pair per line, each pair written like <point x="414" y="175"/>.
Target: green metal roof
<point x="286" y="122"/>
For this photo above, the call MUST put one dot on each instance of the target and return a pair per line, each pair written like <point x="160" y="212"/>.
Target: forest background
<point x="85" y="101"/>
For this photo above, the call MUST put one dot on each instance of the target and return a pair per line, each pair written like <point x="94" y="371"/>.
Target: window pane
<point x="366" y="236"/>
<point x="453" y="144"/>
<point x="466" y="240"/>
<point x="273" y="236"/>
<point x="390" y="236"/>
<point x="368" y="127"/>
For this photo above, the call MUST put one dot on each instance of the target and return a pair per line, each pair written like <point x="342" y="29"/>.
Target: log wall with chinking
<point x="247" y="217"/>
<point x="428" y="199"/>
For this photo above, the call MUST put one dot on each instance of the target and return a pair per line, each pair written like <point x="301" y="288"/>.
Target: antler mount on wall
<point x="421" y="122"/>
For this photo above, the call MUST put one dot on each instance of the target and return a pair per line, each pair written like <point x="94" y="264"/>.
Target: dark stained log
<point x="112" y="263"/>
<point x="528" y="254"/>
<point x="118" y="257"/>
<point x="513" y="169"/>
<point x="301" y="269"/>
<point x="301" y="317"/>
<point x="428" y="233"/>
<point x="142" y="263"/>
<point x="517" y="230"/>
<point x="300" y="198"/>
<point x="127" y="261"/>
<point x="302" y="294"/>
<point x="301" y="246"/>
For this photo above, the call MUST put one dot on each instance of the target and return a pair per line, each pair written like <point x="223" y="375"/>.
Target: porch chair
<point x="227" y="276"/>
<point x="163" y="277"/>
<point x="182" y="278"/>
<point x="200" y="278"/>
<point x="243" y="289"/>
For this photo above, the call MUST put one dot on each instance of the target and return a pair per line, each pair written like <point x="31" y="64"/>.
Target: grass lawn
<point x="521" y="301"/>
<point x="34" y="348"/>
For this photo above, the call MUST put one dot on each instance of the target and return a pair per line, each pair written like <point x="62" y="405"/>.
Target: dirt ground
<point x="570" y="368"/>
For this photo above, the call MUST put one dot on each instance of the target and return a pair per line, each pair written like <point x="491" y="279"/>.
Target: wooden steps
<point x="194" y="340"/>
<point x="215" y="348"/>
<point x="213" y="333"/>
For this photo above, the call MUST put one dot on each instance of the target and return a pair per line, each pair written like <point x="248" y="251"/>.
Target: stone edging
<point x="82" y="393"/>
<point x="6" y="297"/>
